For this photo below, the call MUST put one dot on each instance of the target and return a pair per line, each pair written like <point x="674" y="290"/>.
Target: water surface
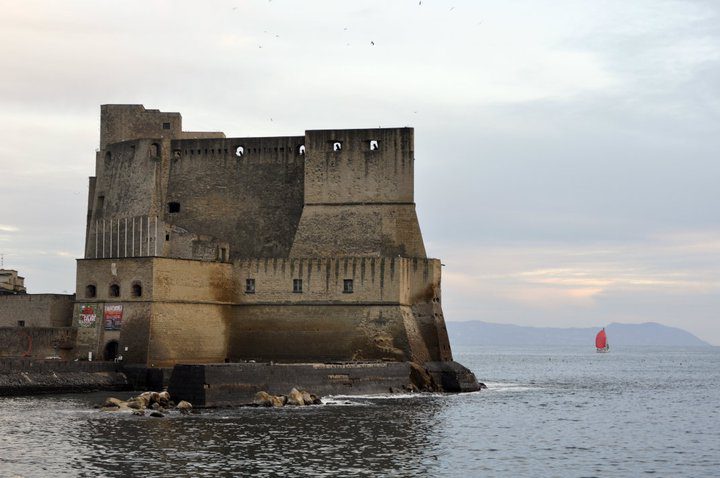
<point x="547" y="412"/>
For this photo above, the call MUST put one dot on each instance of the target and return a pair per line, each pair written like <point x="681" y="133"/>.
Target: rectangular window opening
<point x="249" y="286"/>
<point x="21" y="323"/>
<point x="166" y="125"/>
<point x="297" y="286"/>
<point x="347" y="286"/>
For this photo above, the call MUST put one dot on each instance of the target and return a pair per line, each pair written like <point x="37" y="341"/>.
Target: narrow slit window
<point x="297" y="286"/>
<point x="347" y="286"/>
<point x="249" y="286"/>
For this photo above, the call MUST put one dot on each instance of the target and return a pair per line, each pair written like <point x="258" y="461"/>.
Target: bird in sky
<point x="372" y="43"/>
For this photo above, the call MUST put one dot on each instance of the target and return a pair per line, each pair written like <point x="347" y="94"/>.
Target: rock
<point x="421" y="379"/>
<point x="163" y="398"/>
<point x="307" y="398"/>
<point x="112" y="402"/>
<point x="315" y="400"/>
<point x="136" y="403"/>
<point x="139" y="413"/>
<point x="156" y="406"/>
<point x="482" y="385"/>
<point x="263" y="399"/>
<point x="295" y="397"/>
<point x="184" y="407"/>
<point x="279" y="400"/>
<point x="156" y="414"/>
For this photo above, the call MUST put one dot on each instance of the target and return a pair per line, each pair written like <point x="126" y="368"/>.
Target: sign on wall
<point x="88" y="316"/>
<point x="113" y="316"/>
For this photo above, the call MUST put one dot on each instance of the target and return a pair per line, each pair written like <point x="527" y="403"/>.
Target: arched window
<point x="90" y="291"/>
<point x="301" y="150"/>
<point x="337" y="146"/>
<point x="136" y="289"/>
<point x="374" y="145"/>
<point x="239" y="151"/>
<point x="114" y="290"/>
<point x="154" y="150"/>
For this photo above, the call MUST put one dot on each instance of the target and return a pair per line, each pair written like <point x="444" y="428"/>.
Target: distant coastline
<point x="477" y="332"/>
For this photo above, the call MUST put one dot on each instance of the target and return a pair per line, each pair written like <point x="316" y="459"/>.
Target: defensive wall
<point x="297" y="307"/>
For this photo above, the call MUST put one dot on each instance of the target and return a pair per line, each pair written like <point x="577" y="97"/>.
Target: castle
<point x="205" y="249"/>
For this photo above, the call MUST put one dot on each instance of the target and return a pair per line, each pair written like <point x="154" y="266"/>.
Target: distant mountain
<point x="476" y="332"/>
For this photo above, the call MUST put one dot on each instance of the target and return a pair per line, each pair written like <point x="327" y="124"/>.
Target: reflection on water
<point x="546" y="412"/>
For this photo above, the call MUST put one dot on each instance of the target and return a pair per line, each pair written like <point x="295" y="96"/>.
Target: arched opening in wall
<point x="111" y="350"/>
<point x="114" y="290"/>
<point x="136" y="290"/>
<point x="154" y="150"/>
<point x="374" y="146"/>
<point x="90" y="291"/>
<point x="337" y="146"/>
<point x="177" y="154"/>
<point x="108" y="155"/>
<point x="239" y="151"/>
<point x="301" y="150"/>
<point x="173" y="207"/>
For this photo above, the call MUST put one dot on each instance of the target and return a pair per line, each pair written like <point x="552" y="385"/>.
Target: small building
<point x="11" y="283"/>
<point x="34" y="325"/>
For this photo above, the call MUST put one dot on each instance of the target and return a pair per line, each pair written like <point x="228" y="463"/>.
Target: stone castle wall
<point x="192" y="218"/>
<point x="36" y="310"/>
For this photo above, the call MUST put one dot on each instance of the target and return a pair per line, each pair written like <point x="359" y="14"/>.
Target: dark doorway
<point x="111" y="350"/>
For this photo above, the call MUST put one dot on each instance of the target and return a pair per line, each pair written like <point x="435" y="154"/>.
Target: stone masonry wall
<point x="36" y="310"/>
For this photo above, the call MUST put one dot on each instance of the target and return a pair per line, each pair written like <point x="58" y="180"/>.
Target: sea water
<point x="566" y="412"/>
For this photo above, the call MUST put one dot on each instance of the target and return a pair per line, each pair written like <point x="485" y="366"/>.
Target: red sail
<point x="601" y="339"/>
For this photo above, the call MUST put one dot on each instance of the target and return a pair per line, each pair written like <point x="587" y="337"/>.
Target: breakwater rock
<point x="153" y="404"/>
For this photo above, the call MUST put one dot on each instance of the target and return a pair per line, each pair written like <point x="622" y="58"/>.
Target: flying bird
<point x="372" y="42"/>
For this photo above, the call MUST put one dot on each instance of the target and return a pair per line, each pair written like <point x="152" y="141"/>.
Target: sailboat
<point x="601" y="342"/>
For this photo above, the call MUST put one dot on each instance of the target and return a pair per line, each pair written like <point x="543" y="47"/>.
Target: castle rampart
<point x="297" y="248"/>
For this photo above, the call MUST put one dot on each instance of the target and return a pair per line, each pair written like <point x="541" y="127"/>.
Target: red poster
<point x="113" y="316"/>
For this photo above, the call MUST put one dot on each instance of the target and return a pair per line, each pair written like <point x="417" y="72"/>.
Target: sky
<point x="567" y="169"/>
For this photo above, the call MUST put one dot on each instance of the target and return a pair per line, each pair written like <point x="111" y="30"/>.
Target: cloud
<point x="8" y="228"/>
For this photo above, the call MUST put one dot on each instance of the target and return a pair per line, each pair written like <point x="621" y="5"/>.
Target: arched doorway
<point x="111" y="350"/>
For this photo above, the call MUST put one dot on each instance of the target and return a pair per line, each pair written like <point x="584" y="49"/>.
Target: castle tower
<point x="359" y="195"/>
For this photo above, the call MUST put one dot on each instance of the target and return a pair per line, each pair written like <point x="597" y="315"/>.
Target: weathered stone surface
<point x="452" y="377"/>
<point x="263" y="399"/>
<point x="421" y="379"/>
<point x="184" y="407"/>
<point x="111" y="402"/>
<point x="278" y="401"/>
<point x="295" y="397"/>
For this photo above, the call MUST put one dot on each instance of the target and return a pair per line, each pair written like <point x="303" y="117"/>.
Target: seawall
<point x="19" y="376"/>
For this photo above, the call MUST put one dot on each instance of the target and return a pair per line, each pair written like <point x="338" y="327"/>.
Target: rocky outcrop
<point x="154" y="404"/>
<point x="295" y="398"/>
